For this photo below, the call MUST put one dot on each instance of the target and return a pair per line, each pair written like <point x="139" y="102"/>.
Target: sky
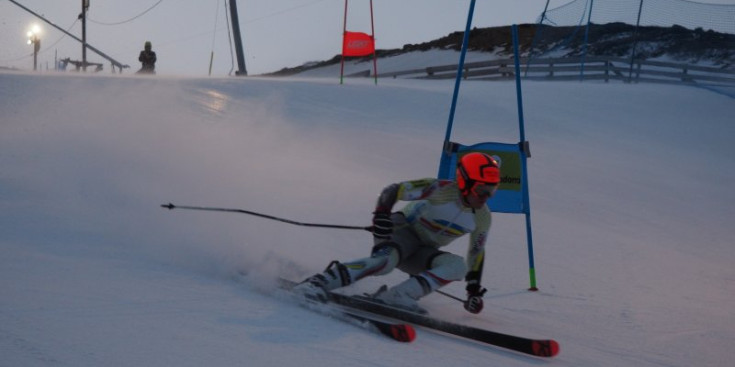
<point x="630" y="191"/>
<point x="187" y="34"/>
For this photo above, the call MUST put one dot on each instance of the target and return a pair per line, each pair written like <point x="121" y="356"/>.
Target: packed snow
<point x="631" y="196"/>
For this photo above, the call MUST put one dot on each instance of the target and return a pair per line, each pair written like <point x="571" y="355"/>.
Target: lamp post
<point x="35" y="40"/>
<point x="83" y="17"/>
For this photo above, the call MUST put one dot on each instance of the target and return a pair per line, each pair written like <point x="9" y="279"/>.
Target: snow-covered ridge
<point x="673" y="44"/>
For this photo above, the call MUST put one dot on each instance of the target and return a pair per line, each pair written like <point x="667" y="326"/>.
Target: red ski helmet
<point x="474" y="168"/>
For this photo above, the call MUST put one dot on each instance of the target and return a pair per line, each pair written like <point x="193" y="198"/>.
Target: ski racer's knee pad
<point x="449" y="266"/>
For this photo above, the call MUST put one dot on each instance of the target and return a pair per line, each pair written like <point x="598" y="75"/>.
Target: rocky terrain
<point x="674" y="43"/>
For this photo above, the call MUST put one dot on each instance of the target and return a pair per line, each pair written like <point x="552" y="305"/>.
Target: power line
<point x="60" y="38"/>
<point x="127" y="20"/>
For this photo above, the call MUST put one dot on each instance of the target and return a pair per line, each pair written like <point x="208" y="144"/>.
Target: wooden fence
<point x="591" y="68"/>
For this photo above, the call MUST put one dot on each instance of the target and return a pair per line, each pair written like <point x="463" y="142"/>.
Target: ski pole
<point x="452" y="297"/>
<point x="337" y="226"/>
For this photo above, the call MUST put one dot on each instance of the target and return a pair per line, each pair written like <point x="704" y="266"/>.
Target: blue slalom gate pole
<point x="524" y="156"/>
<point x="446" y="157"/>
<point x="460" y="67"/>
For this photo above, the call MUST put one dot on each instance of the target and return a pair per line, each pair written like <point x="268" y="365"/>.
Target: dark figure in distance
<point x="148" y="59"/>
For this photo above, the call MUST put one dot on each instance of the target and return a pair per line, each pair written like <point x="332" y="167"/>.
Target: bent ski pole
<point x="337" y="226"/>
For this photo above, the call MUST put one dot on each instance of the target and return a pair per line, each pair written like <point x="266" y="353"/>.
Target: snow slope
<point x="631" y="194"/>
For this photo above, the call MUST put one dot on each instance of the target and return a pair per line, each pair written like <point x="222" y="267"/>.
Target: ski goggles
<point x="482" y="189"/>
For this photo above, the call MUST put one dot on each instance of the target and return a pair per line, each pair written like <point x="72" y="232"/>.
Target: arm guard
<point x="474" y="275"/>
<point x="387" y="198"/>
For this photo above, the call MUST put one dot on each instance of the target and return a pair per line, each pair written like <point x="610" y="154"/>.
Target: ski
<point x="401" y="332"/>
<point x="534" y="347"/>
<point x="398" y="332"/>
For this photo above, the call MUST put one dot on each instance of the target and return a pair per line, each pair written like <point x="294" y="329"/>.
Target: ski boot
<point x="318" y="286"/>
<point x="404" y="295"/>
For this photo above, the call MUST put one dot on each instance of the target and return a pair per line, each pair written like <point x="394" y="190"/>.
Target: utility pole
<point x="83" y="17"/>
<point x="34" y="39"/>
<point x="238" y="41"/>
<point x="36" y="47"/>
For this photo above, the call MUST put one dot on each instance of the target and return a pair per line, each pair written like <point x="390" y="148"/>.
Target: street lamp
<point x="34" y="38"/>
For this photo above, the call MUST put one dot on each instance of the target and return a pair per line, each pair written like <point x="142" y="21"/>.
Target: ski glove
<point x="474" y="301"/>
<point x="382" y="225"/>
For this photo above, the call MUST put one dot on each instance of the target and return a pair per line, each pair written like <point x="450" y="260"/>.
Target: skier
<point x="438" y="212"/>
<point x="148" y="58"/>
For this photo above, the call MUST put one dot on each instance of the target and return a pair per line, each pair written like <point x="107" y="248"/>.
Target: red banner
<point x="357" y="44"/>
